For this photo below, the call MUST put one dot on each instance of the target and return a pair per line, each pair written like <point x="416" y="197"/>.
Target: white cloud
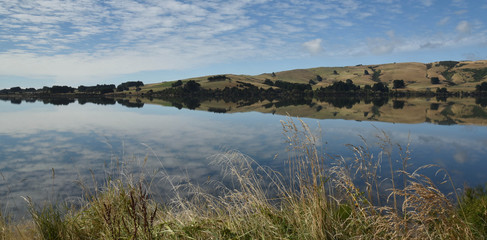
<point x="379" y="46"/>
<point x="459" y="3"/>
<point x="385" y="1"/>
<point x="464" y="27"/>
<point x="75" y="67"/>
<point x="427" y="3"/>
<point x="432" y="44"/>
<point x="443" y="21"/>
<point x="383" y="45"/>
<point x="73" y="41"/>
<point x="313" y="46"/>
<point x="391" y="34"/>
<point x="344" y="23"/>
<point x="64" y="40"/>
<point x="473" y="56"/>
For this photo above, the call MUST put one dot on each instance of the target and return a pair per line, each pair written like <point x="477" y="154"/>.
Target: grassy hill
<point x="455" y="76"/>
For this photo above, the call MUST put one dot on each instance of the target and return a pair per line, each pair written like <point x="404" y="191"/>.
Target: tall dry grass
<point x="410" y="207"/>
<point x="319" y="197"/>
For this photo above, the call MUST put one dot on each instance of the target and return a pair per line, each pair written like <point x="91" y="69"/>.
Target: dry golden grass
<point x="416" y="76"/>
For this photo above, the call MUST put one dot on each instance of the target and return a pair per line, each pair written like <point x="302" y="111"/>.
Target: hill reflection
<point x="442" y="111"/>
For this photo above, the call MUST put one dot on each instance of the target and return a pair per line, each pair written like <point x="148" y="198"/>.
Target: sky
<point x="89" y="42"/>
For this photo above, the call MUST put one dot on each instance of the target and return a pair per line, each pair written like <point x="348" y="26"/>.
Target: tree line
<point x="98" y="89"/>
<point x="190" y="93"/>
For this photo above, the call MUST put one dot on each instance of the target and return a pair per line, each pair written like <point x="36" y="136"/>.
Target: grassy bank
<point x="318" y="197"/>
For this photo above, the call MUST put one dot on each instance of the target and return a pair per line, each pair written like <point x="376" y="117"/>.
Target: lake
<point x="48" y="150"/>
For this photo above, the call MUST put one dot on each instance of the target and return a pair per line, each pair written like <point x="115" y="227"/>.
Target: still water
<point x="47" y="150"/>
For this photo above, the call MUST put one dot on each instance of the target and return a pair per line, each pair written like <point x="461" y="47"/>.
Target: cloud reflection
<point x="77" y="139"/>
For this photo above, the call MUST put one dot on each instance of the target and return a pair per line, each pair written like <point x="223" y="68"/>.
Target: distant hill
<point x="454" y="75"/>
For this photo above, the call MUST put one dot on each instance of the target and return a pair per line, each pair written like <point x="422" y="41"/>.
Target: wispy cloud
<point x="384" y="45"/>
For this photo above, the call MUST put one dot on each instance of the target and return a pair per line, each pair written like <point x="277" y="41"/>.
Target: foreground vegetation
<point x="323" y="197"/>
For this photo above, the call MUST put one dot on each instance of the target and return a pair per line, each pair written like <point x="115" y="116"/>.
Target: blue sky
<point x="75" y="42"/>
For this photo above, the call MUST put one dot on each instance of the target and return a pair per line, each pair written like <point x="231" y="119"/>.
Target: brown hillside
<point x="456" y="76"/>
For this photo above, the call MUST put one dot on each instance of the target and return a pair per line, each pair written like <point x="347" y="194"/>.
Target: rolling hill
<point x="454" y="75"/>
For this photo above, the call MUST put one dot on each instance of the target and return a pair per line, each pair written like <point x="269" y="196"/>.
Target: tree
<point x="137" y="83"/>
<point x="82" y="88"/>
<point x="481" y="87"/>
<point x="335" y="72"/>
<point x="122" y="87"/>
<point x="15" y="90"/>
<point x="380" y="87"/>
<point x="435" y="80"/>
<point x="292" y="86"/>
<point x="268" y="82"/>
<point x="192" y="86"/>
<point x="191" y="103"/>
<point x="376" y="75"/>
<point x="61" y="89"/>
<point x="340" y="87"/>
<point x="366" y="72"/>
<point x="126" y="85"/>
<point x="397" y="104"/>
<point x="105" y="88"/>
<point x="217" y="78"/>
<point x="101" y="89"/>
<point x="46" y="89"/>
<point x="441" y="91"/>
<point x="177" y="83"/>
<point x="448" y="64"/>
<point x="398" y="84"/>
<point x="319" y="78"/>
<point x="434" y="106"/>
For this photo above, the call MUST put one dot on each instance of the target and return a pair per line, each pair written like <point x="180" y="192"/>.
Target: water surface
<point x="47" y="149"/>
